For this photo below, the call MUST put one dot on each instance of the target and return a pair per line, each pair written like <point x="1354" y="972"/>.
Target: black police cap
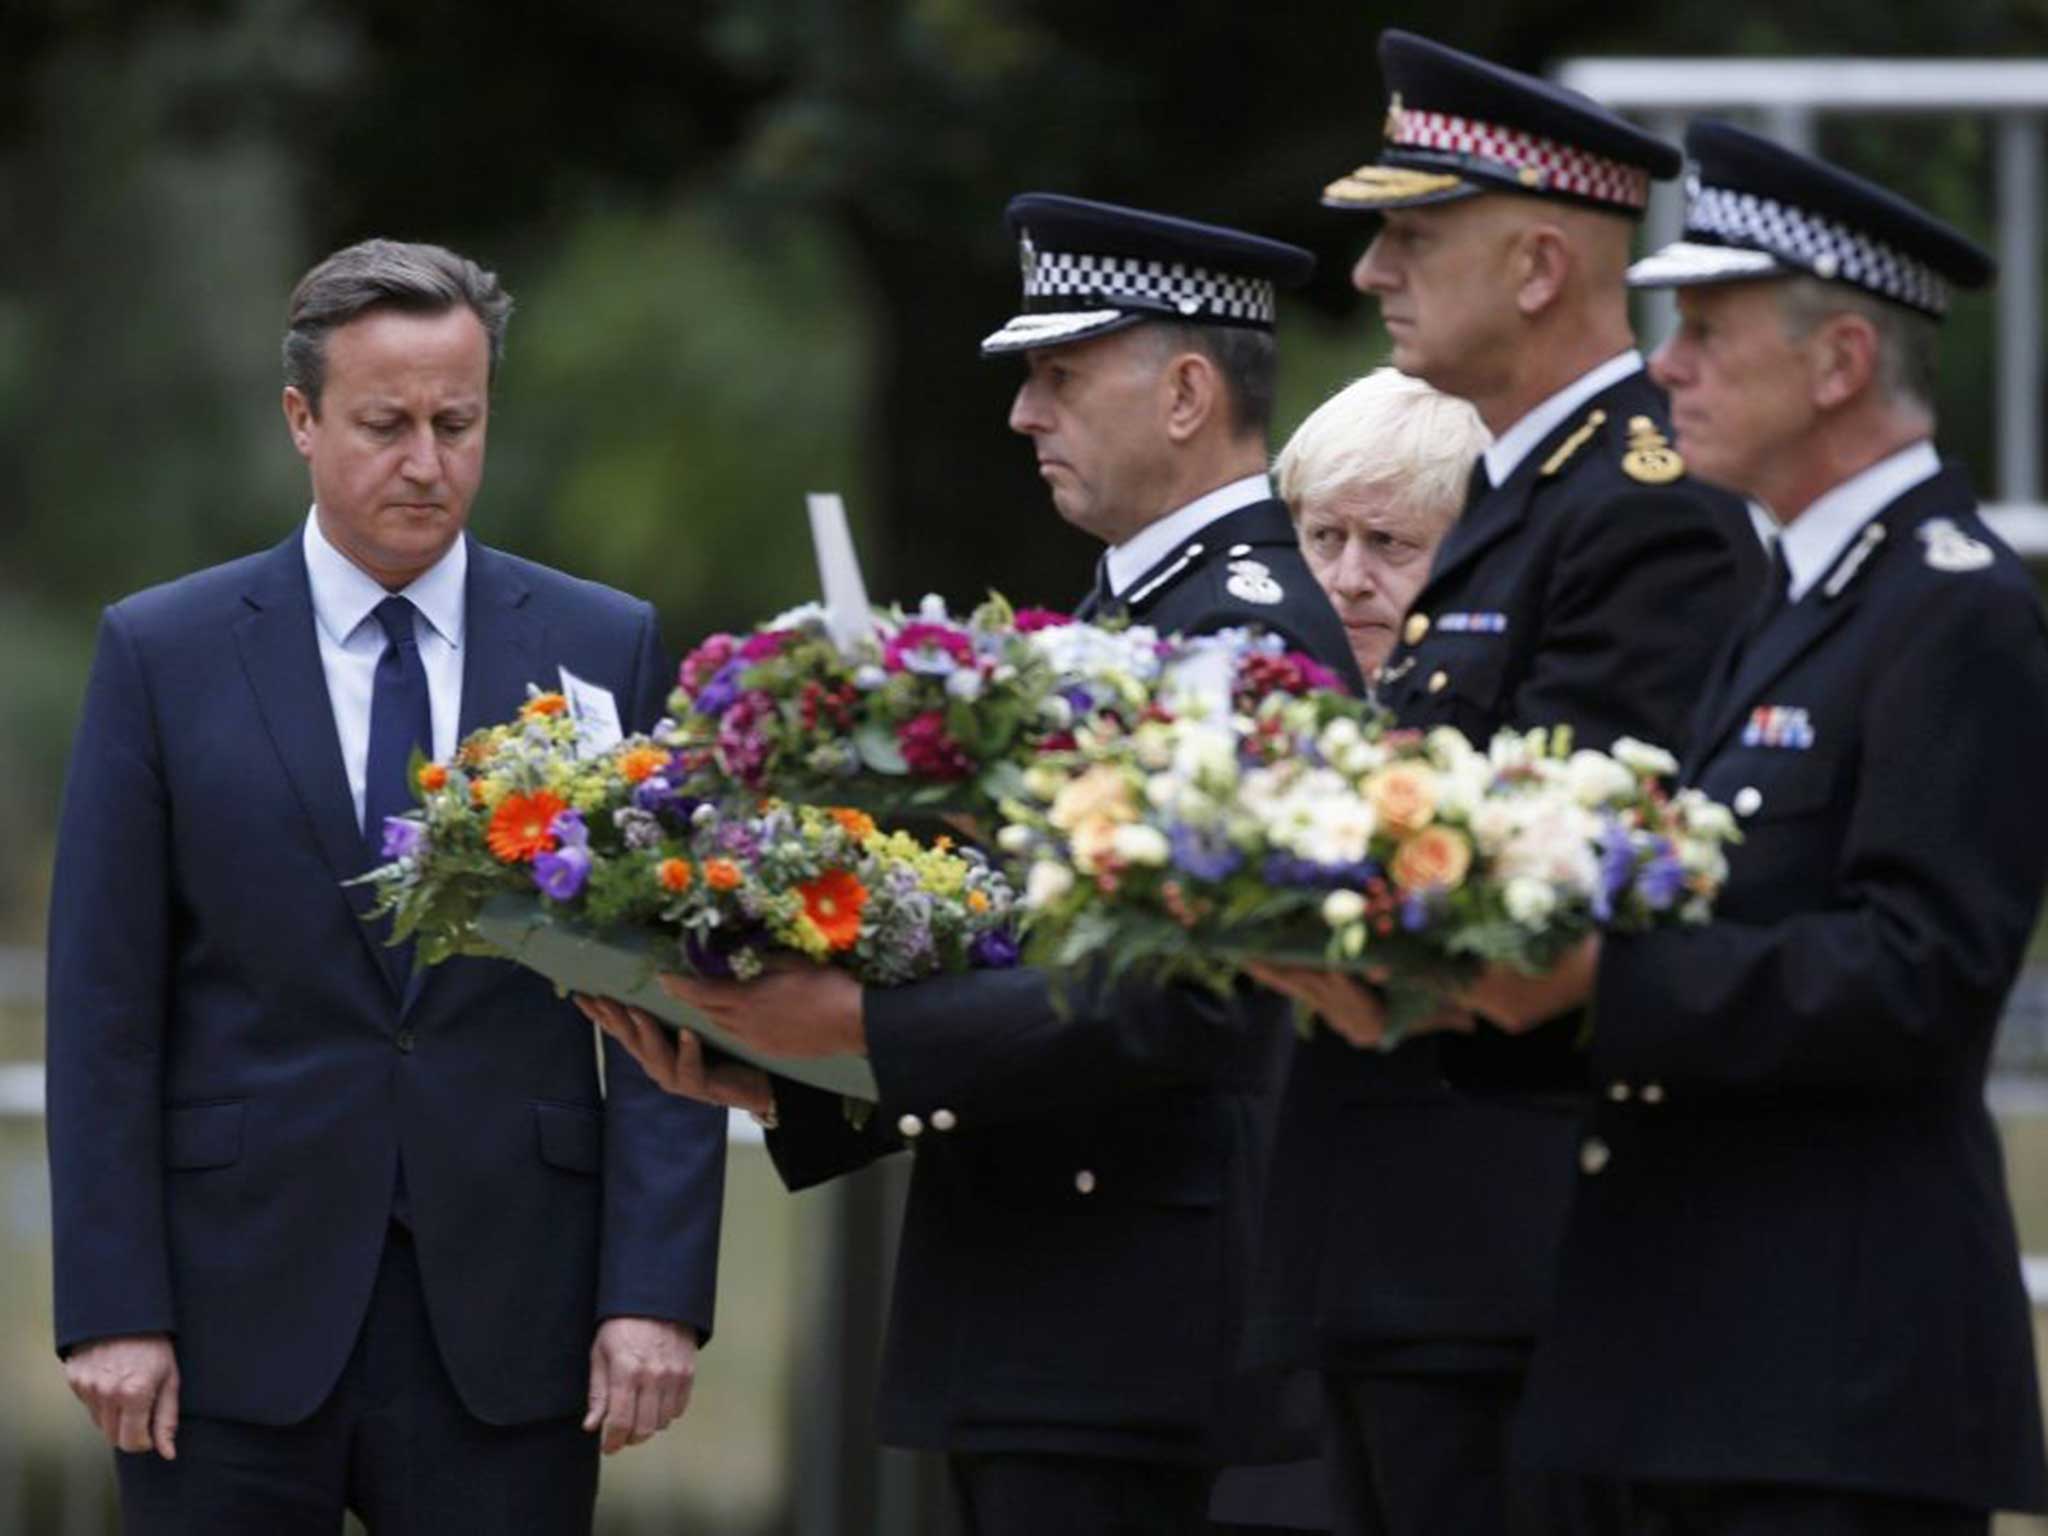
<point x="1756" y="209"/>
<point x="1091" y="268"/>
<point x="1458" y="125"/>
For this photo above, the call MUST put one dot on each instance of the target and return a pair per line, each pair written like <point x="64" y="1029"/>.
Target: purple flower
<point x="658" y="796"/>
<point x="1414" y="912"/>
<point x="561" y="874"/>
<point x="995" y="950"/>
<point x="569" y="829"/>
<point x="1661" y="881"/>
<point x="721" y="692"/>
<point x="1617" y="868"/>
<point x="1285" y="869"/>
<point x="403" y="837"/>
<point x="1204" y="855"/>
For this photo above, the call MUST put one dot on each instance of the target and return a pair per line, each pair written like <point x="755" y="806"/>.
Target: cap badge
<point x="1252" y="582"/>
<point x="1391" y="128"/>
<point x="1951" y="549"/>
<point x="1027" y="254"/>
<point x="1650" y="460"/>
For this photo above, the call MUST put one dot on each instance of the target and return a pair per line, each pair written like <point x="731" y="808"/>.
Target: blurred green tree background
<point x="754" y="243"/>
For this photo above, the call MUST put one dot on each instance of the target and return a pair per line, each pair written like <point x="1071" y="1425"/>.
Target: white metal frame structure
<point x="1790" y="94"/>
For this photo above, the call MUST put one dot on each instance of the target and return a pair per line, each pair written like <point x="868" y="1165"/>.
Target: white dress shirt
<point x="1130" y="560"/>
<point x="345" y="599"/>
<point x="1816" y="537"/>
<point x="1508" y="450"/>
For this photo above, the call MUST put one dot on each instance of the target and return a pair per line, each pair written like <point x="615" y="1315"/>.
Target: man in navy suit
<point x="331" y="1232"/>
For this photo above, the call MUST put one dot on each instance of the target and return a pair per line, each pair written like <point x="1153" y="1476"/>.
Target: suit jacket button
<point x="1439" y="681"/>
<point x="1748" y="800"/>
<point x="405" y="1038"/>
<point x="1084" y="1181"/>
<point x="909" y="1126"/>
<point x="1593" y="1156"/>
<point x="1417" y="628"/>
<point x="1653" y="1093"/>
<point x="1619" y="1092"/>
<point x="944" y="1119"/>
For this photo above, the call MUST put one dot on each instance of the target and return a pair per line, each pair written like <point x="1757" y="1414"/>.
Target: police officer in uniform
<point x="1076" y="1251"/>
<point x="1587" y="584"/>
<point x="1790" y="1297"/>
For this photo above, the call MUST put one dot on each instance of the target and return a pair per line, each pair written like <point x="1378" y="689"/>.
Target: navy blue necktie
<point x="400" y="720"/>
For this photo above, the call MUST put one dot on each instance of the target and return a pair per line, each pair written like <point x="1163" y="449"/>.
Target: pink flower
<point x="743" y="746"/>
<point x="767" y="643"/>
<point x="703" y="663"/>
<point x="932" y="649"/>
<point x="929" y="751"/>
<point x="1031" y="620"/>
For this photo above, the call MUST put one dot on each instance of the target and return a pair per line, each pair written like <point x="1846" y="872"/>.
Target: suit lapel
<point x="281" y="658"/>
<point x="501" y="641"/>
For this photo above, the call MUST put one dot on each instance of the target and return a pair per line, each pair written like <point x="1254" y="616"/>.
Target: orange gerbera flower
<point x="638" y="764"/>
<point x="432" y="777"/>
<point x="543" y="704"/>
<point x="833" y="903"/>
<point x="854" y="823"/>
<point x="674" y="875"/>
<point x="522" y="826"/>
<point x="721" y="874"/>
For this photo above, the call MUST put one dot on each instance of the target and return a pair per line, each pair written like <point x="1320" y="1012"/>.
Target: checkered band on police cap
<point x="1825" y="247"/>
<point x="1535" y="162"/>
<point x="1131" y="282"/>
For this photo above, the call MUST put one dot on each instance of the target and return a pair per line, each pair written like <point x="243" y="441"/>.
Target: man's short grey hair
<point x="1248" y="359"/>
<point x="384" y="274"/>
<point x="1385" y="432"/>
<point x="1908" y="342"/>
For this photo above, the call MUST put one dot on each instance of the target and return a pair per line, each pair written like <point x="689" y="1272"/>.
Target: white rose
<point x="964" y="683"/>
<point x="1509" y="751"/>
<point x="1492" y="825"/>
<point x="932" y="608"/>
<point x="1206" y="755"/>
<point x="1339" y="736"/>
<point x="1341" y="907"/>
<point x="1644" y="758"/>
<point x="1448" y="746"/>
<point x="1137" y="843"/>
<point x="1043" y="782"/>
<point x="1597" y="779"/>
<point x="1058" y="713"/>
<point x="1529" y="901"/>
<point x="1047" y="883"/>
<point x="1704" y="817"/>
<point x="1013" y="838"/>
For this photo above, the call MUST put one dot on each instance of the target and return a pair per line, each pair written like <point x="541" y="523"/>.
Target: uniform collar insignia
<point x="1951" y="549"/>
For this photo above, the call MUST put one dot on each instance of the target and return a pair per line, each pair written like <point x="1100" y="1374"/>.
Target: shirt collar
<point x="1814" y="538"/>
<point x="1508" y="450"/>
<point x="344" y="594"/>
<point x="1130" y="560"/>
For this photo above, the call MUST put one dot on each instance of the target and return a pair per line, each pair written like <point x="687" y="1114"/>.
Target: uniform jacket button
<point x="1439" y="681"/>
<point x="944" y="1119"/>
<point x="1084" y="1181"/>
<point x="1417" y="628"/>
<point x="909" y="1126"/>
<point x="1748" y="800"/>
<point x="1618" y="1092"/>
<point x="1653" y="1093"/>
<point x="1593" y="1155"/>
<point x="406" y="1038"/>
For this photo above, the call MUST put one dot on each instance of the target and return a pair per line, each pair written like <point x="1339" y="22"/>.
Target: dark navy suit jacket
<point x="233" y="1075"/>
<point x="1791" y="1255"/>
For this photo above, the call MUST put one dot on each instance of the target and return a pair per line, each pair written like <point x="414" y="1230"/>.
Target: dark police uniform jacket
<point x="1412" y="1226"/>
<point x="1076" y="1251"/>
<point x="1790" y="1257"/>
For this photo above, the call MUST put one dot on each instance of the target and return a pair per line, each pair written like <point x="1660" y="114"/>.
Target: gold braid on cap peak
<point x="1384" y="183"/>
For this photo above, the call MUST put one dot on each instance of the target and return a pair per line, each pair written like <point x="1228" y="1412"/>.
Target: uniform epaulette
<point x="1573" y="444"/>
<point x="1947" y="548"/>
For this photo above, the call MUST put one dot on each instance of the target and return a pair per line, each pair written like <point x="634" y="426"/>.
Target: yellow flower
<point x="1102" y="793"/>
<point x="1403" y="797"/>
<point x="1435" y="856"/>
